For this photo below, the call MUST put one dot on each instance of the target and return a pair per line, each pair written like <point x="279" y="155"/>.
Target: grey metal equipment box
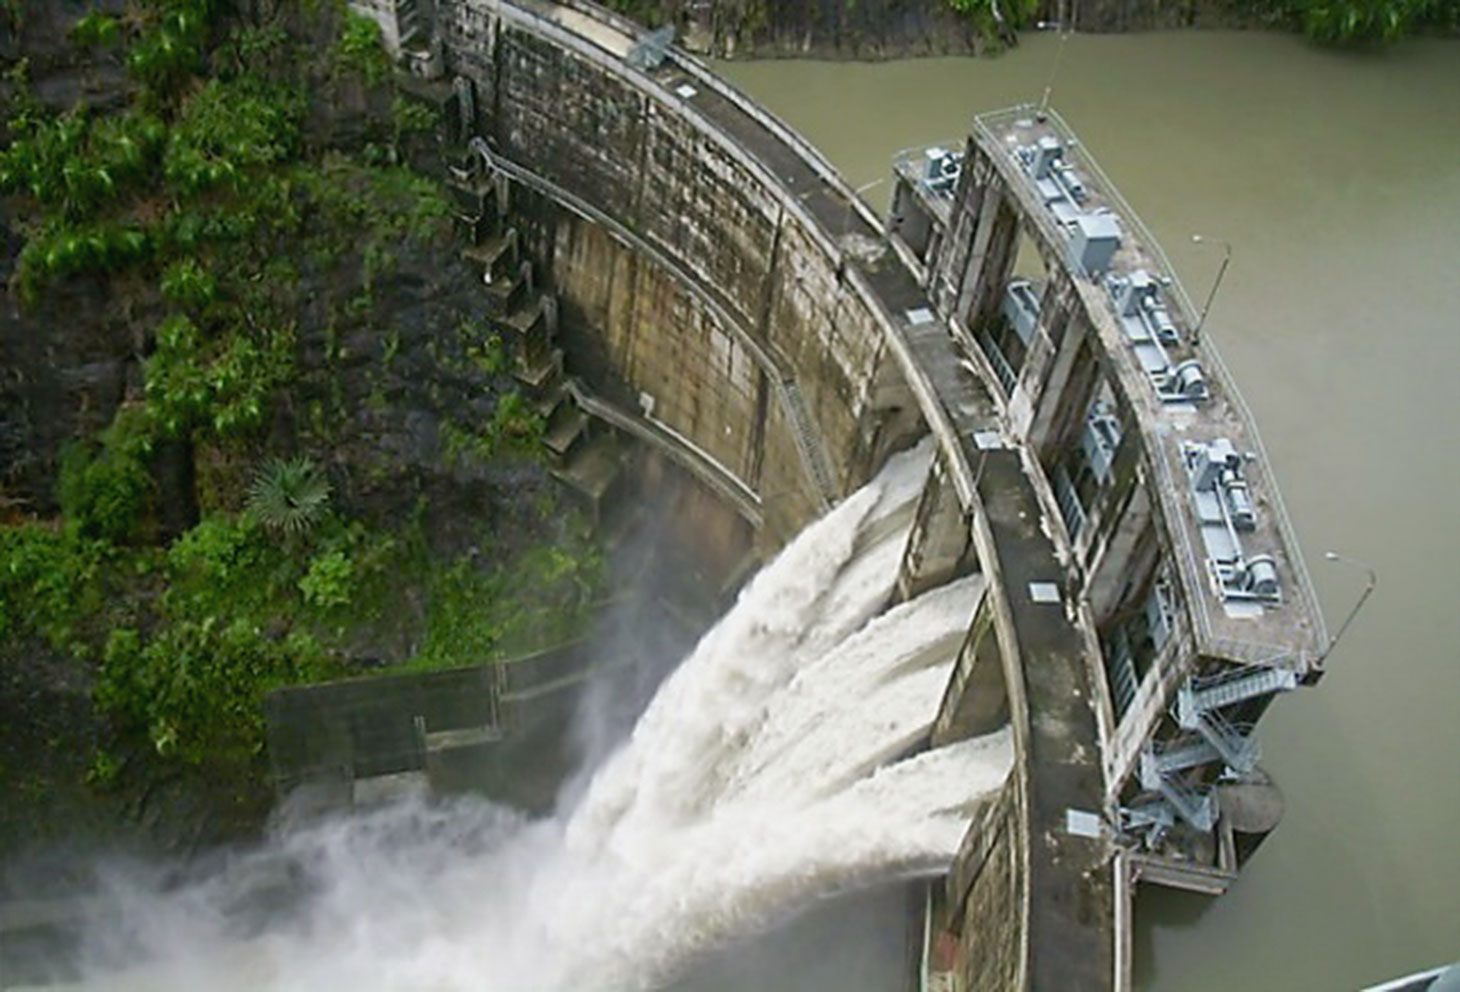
<point x="1094" y="238"/>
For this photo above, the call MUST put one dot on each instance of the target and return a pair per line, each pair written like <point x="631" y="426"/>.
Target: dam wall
<point x="720" y="286"/>
<point x="718" y="292"/>
<point x="692" y="285"/>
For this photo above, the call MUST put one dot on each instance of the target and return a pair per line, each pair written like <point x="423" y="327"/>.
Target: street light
<point x="1217" y="282"/>
<point x="1373" y="580"/>
<point x="856" y="193"/>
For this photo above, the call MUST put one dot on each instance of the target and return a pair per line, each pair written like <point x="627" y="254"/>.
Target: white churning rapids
<point x="766" y="774"/>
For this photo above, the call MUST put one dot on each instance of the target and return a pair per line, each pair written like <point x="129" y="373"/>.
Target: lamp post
<point x="1066" y="27"/>
<point x="847" y="214"/>
<point x="1373" y="580"/>
<point x="1216" y="283"/>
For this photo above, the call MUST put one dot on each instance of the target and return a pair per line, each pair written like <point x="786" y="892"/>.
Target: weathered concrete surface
<point x="703" y="275"/>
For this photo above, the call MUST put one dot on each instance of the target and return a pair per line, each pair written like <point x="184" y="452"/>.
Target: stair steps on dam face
<point x="534" y="318"/>
<point x="592" y="470"/>
<point x="566" y="426"/>
<point x="508" y="293"/>
<point x="494" y="255"/>
<point x="475" y="197"/>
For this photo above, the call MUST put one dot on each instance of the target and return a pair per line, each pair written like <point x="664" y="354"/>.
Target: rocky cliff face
<point x="885" y="29"/>
<point x="333" y="264"/>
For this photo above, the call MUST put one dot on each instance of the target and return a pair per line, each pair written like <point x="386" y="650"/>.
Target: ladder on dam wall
<point x="808" y="442"/>
<point x="524" y="315"/>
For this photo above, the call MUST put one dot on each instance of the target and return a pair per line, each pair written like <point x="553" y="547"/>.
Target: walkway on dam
<point x="1071" y="926"/>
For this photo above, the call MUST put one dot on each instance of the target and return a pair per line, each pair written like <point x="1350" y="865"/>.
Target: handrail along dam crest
<point x="723" y="295"/>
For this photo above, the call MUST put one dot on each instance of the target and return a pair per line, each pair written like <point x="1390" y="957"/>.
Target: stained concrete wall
<point x="987" y="889"/>
<point x="705" y="288"/>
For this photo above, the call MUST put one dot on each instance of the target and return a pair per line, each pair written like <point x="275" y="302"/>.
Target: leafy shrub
<point x="997" y="20"/>
<point x="222" y="386"/>
<point x="223" y="565"/>
<point x="515" y="425"/>
<point x="289" y="495"/>
<point x="411" y="117"/>
<point x="49" y="583"/>
<point x="60" y="251"/>
<point x="1360" y="21"/>
<point x="189" y="284"/>
<point x="73" y="164"/>
<point x="104" y="489"/>
<point x="172" y="46"/>
<point x="542" y="597"/>
<point x="360" y="48"/>
<point x="196" y="688"/>
<point x="96" y="29"/>
<point x="226" y="128"/>
<point x="330" y="581"/>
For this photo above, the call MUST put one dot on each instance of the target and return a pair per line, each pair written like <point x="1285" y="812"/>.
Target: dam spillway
<point x="714" y="282"/>
<point x="779" y="764"/>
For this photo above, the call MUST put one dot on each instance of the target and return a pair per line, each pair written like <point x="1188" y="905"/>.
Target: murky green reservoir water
<point x="1336" y="178"/>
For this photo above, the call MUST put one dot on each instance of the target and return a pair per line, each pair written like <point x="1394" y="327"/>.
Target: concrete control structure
<point x="675" y="264"/>
<point x="1181" y="559"/>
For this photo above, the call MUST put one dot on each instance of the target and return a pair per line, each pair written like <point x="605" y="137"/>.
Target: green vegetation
<point x="359" y="50"/>
<point x="237" y="253"/>
<point x="105" y="486"/>
<point x="997" y="20"/>
<point x="544" y="599"/>
<point x="1349" y="22"/>
<point x="289" y="496"/>
<point x="1353" y="22"/>
<point x="51" y="584"/>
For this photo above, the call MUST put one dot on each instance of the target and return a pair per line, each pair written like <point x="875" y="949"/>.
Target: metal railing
<point x="1238" y="748"/>
<point x="906" y="162"/>
<point x="984" y="125"/>
<point x="1203" y="683"/>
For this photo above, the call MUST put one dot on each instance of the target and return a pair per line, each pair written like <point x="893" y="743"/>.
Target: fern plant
<point x="289" y="495"/>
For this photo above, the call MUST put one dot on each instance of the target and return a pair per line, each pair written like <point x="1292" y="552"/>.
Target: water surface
<point x="1336" y="177"/>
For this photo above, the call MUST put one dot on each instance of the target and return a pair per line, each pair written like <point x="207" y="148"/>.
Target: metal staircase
<point x="1071" y="511"/>
<point x="1234" y="743"/>
<point x="1183" y="753"/>
<point x="1199" y="704"/>
<point x="1197" y="806"/>
<point x="408" y="21"/>
<point x="1236" y="686"/>
<point x="1211" y="736"/>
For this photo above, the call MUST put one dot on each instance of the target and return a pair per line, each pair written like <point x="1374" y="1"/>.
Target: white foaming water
<point x="764" y="775"/>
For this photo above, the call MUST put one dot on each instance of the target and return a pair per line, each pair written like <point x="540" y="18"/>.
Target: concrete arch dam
<point x="723" y="295"/>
